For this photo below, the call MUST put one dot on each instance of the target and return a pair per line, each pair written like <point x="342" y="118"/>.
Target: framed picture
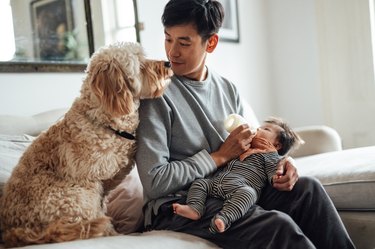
<point x="52" y="22"/>
<point x="230" y="29"/>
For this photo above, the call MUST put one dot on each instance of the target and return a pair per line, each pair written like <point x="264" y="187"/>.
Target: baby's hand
<point x="286" y="175"/>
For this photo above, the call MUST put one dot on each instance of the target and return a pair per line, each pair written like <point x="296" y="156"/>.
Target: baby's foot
<point x="220" y="225"/>
<point x="185" y="211"/>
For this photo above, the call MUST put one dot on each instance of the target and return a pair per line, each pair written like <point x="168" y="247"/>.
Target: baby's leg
<point x="186" y="211"/>
<point x="234" y="208"/>
<point x="196" y="200"/>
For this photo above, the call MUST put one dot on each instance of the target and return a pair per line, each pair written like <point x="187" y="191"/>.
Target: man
<point x="181" y="138"/>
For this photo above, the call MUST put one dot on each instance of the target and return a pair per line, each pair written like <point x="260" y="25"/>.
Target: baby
<point x="240" y="183"/>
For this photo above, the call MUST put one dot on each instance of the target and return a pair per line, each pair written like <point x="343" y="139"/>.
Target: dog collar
<point x="123" y="134"/>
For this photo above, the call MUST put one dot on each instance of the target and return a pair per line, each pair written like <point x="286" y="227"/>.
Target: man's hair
<point x="206" y="15"/>
<point x="288" y="138"/>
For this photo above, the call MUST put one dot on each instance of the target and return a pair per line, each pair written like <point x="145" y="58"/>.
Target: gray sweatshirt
<point x="177" y="133"/>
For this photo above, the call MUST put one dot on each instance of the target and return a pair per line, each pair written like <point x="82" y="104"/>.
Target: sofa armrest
<point x="318" y="139"/>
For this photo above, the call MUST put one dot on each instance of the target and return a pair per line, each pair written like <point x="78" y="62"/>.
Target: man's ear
<point x="212" y="43"/>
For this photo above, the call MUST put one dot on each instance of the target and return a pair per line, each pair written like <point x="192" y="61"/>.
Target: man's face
<point x="186" y="51"/>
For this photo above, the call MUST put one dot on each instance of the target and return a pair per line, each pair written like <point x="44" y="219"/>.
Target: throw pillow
<point x="125" y="203"/>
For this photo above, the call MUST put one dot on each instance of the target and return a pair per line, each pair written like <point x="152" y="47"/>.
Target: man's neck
<point x="199" y="77"/>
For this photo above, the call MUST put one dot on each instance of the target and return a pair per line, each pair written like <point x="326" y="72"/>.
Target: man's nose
<point x="173" y="51"/>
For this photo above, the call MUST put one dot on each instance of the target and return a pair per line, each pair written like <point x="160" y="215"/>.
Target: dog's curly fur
<point x="55" y="193"/>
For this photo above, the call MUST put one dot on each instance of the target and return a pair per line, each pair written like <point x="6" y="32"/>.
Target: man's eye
<point x="185" y="44"/>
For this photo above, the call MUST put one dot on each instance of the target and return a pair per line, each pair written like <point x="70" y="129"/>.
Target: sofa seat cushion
<point x="147" y="240"/>
<point x="348" y="176"/>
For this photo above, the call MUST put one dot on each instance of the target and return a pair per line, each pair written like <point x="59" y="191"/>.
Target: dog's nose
<point x="167" y="64"/>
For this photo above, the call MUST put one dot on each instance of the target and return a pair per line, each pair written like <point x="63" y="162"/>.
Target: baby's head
<point x="280" y="134"/>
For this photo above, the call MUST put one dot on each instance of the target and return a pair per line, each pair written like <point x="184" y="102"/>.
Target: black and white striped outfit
<point x="239" y="184"/>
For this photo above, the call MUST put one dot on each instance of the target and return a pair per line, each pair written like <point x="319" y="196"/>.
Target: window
<point x="119" y="19"/>
<point x="32" y="45"/>
<point x="372" y="24"/>
<point x="8" y="48"/>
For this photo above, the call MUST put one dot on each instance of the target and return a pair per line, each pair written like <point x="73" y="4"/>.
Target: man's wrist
<point x="218" y="159"/>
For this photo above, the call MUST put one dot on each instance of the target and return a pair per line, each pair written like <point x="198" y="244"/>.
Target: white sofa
<point x="348" y="176"/>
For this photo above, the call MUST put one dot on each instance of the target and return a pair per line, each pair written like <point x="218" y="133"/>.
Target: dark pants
<point x="302" y="218"/>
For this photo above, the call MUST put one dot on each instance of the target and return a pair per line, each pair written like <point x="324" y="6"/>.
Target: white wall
<point x="347" y="69"/>
<point x="294" y="65"/>
<point x="30" y="93"/>
<point x="322" y="65"/>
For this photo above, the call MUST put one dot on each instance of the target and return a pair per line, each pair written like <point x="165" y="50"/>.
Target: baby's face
<point x="269" y="132"/>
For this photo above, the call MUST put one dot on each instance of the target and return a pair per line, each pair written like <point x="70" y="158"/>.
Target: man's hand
<point x="286" y="175"/>
<point x="238" y="141"/>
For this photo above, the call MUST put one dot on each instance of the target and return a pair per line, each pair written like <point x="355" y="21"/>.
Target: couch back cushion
<point x="31" y="125"/>
<point x="11" y="149"/>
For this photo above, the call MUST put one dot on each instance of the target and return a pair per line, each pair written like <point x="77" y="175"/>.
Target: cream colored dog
<point x="55" y="193"/>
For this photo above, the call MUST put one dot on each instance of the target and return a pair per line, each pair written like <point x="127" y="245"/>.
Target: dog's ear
<point x="113" y="89"/>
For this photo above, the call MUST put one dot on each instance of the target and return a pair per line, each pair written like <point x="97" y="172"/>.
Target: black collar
<point x="124" y="134"/>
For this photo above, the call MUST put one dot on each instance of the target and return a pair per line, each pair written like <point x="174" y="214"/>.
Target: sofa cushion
<point x="125" y="203"/>
<point x="11" y="149"/>
<point x="348" y="176"/>
<point x="32" y="125"/>
<point x="318" y="139"/>
<point x="148" y="240"/>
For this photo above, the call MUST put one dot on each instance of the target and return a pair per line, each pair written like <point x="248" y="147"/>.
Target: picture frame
<point x="52" y="23"/>
<point x="230" y="28"/>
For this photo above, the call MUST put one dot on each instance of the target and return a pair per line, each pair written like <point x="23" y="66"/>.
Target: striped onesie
<point x="239" y="184"/>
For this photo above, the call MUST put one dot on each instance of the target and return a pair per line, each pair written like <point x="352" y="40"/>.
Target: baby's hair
<point x="288" y="138"/>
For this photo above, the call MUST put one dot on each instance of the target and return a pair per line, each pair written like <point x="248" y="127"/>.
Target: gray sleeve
<point x="159" y="175"/>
